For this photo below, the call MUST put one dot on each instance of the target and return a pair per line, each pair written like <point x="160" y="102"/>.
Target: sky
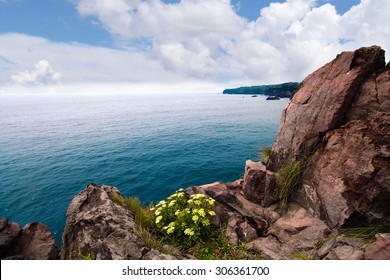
<point x="177" y="46"/>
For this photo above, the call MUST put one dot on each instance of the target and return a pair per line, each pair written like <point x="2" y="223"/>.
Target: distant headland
<point x="285" y="90"/>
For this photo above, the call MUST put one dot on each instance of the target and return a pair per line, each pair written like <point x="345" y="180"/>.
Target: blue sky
<point x="200" y="45"/>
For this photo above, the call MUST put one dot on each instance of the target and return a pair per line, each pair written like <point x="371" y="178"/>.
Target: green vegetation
<point x="217" y="247"/>
<point x="288" y="180"/>
<point x="301" y="255"/>
<point x="366" y="233"/>
<point x="174" y="222"/>
<point x="281" y="90"/>
<point x="186" y="220"/>
<point x="265" y="153"/>
<point x="87" y="257"/>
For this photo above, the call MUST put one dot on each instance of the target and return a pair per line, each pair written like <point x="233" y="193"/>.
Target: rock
<point x="98" y="226"/>
<point x="342" y="248"/>
<point x="34" y="241"/>
<point x="347" y="184"/>
<point x="259" y="184"/>
<point x="244" y="221"/>
<point x="298" y="230"/>
<point x="322" y="103"/>
<point x="380" y="249"/>
<point x="156" y="255"/>
<point x="345" y="252"/>
<point x="269" y="247"/>
<point x="8" y="234"/>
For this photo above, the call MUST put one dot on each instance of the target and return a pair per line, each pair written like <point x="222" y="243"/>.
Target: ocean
<point x="147" y="145"/>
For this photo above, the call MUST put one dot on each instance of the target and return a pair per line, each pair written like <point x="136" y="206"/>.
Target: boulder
<point x="342" y="248"/>
<point x="33" y="242"/>
<point x="380" y="249"/>
<point x="295" y="232"/>
<point x="8" y="235"/>
<point x="99" y="227"/>
<point x="259" y="184"/>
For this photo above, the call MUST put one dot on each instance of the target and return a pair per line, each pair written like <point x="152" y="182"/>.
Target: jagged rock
<point x="8" y="234"/>
<point x="243" y="220"/>
<point x="269" y="247"/>
<point x="259" y="184"/>
<point x="342" y="248"/>
<point x="98" y="226"/>
<point x="299" y="230"/>
<point x="348" y="178"/>
<point x="322" y="103"/>
<point x="352" y="162"/>
<point x="295" y="232"/>
<point x="380" y="249"/>
<point x="34" y="241"/>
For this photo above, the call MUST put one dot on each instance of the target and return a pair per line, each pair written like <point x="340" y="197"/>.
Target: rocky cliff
<point x="335" y="136"/>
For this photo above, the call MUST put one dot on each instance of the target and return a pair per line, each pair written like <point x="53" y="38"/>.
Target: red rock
<point x="259" y="184"/>
<point x="380" y="249"/>
<point x="322" y="103"/>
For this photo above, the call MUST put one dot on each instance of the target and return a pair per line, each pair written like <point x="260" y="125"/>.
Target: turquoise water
<point x="52" y="146"/>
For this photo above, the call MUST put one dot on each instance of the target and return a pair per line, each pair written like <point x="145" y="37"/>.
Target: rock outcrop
<point x="339" y="119"/>
<point x="33" y="242"/>
<point x="323" y="103"/>
<point x="98" y="227"/>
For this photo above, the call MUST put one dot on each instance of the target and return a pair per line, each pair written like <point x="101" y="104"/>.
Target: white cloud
<point x="206" y="38"/>
<point x="204" y="42"/>
<point x="42" y="74"/>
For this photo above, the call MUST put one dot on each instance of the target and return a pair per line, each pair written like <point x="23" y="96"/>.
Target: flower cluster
<point x="188" y="219"/>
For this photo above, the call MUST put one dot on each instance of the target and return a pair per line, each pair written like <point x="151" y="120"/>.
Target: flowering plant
<point x="187" y="219"/>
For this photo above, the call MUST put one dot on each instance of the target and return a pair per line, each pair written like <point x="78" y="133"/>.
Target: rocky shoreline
<point x="338" y="124"/>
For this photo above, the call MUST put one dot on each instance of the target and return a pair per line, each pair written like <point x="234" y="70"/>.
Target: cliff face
<point x="340" y="118"/>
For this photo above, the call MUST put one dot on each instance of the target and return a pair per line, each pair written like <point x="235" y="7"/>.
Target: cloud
<point x="202" y="42"/>
<point x="207" y="38"/>
<point x="42" y="74"/>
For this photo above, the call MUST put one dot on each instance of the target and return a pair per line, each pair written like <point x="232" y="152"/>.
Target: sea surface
<point x="52" y="146"/>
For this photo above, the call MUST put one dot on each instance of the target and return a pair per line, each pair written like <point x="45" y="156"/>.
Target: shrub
<point x="184" y="219"/>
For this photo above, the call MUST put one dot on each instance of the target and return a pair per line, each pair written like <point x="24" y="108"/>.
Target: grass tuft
<point x="366" y="233"/>
<point x="264" y="154"/>
<point x="288" y="180"/>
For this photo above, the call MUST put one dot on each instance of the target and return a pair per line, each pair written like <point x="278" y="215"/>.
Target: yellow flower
<point x="158" y="211"/>
<point x="177" y="213"/>
<point x="195" y="218"/>
<point x="197" y="196"/>
<point x="205" y="222"/>
<point x="212" y="213"/>
<point x="189" y="232"/>
<point x="161" y="203"/>
<point x="158" y="219"/>
<point x="172" y="224"/>
<point x="170" y="230"/>
<point x="171" y="203"/>
<point x="194" y="211"/>
<point x="201" y="212"/>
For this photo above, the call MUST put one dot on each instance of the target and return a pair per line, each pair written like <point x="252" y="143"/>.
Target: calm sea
<point x="52" y="146"/>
